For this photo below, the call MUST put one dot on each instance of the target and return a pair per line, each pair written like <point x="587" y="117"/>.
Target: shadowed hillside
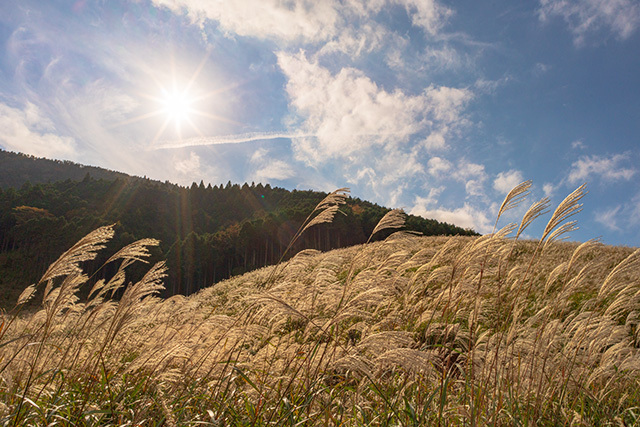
<point x="207" y="233"/>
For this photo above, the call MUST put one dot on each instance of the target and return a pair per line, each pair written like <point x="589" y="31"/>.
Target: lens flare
<point x="177" y="106"/>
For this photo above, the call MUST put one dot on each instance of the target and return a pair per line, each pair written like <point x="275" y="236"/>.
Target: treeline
<point x="207" y="233"/>
<point x="18" y="168"/>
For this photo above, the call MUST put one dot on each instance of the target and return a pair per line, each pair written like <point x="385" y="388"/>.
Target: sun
<point x="179" y="103"/>
<point x="177" y="106"/>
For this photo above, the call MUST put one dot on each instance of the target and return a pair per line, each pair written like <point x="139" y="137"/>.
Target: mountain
<point x="207" y="233"/>
<point x="17" y="169"/>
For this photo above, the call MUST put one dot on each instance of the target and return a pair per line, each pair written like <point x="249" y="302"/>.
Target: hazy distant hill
<point x="207" y="233"/>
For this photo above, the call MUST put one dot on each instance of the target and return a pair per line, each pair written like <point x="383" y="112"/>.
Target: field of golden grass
<point x="413" y="330"/>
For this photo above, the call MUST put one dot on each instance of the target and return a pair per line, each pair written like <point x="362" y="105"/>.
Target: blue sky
<point x="439" y="107"/>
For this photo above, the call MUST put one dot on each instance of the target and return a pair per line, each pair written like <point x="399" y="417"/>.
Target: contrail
<point x="226" y="139"/>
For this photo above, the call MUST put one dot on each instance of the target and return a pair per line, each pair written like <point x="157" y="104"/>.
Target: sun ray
<point x="136" y="119"/>
<point x="180" y="101"/>
<point x="156" y="137"/>
<point x="215" y="117"/>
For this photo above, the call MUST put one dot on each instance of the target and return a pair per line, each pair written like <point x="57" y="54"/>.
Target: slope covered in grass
<point x="409" y="331"/>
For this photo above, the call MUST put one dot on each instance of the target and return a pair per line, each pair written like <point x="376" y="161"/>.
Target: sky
<point x="438" y="107"/>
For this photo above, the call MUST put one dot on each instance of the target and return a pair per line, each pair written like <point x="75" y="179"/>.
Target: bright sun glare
<point x="177" y="106"/>
<point x="180" y="103"/>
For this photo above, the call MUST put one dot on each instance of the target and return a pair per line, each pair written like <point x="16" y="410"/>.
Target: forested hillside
<point x="18" y="168"/>
<point x="207" y="233"/>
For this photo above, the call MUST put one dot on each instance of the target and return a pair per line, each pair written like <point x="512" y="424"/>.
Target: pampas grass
<point x="409" y="331"/>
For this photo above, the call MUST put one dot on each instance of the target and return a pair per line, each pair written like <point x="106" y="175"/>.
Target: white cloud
<point x="548" y="189"/>
<point x="110" y="104"/>
<point x="367" y="38"/>
<point x="466" y="216"/>
<point x="435" y="141"/>
<point x="623" y="217"/>
<point x="438" y="166"/>
<point x="620" y="17"/>
<point x="490" y="86"/>
<point x="474" y="187"/>
<point x="608" y="168"/>
<point x="275" y="169"/>
<point x="608" y="218"/>
<point x="578" y="145"/>
<point x="189" y="166"/>
<point x="430" y="200"/>
<point x="266" y="168"/>
<point x="443" y="58"/>
<point x="353" y="124"/>
<point x="96" y="114"/>
<point x="341" y="25"/>
<point x="541" y="68"/>
<point x="349" y="112"/>
<point x="473" y="175"/>
<point x="506" y="181"/>
<point x="365" y="173"/>
<point x="447" y="103"/>
<point x="288" y="21"/>
<point x="394" y="194"/>
<point x="426" y="14"/>
<point x="29" y="131"/>
<point x="398" y="165"/>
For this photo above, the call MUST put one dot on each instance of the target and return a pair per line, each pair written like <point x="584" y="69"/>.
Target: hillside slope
<point x="207" y="233"/>
<point x="16" y="169"/>
<point x="406" y="331"/>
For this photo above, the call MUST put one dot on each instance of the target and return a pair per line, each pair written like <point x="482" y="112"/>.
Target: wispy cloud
<point x="578" y="145"/>
<point x="585" y="17"/>
<point x="27" y="130"/>
<point x="347" y="112"/>
<point x="609" y="218"/>
<point x="541" y="68"/>
<point x="189" y="166"/>
<point x="303" y="21"/>
<point x="608" y="168"/>
<point x="505" y="181"/>
<point x="623" y="217"/>
<point x="473" y="175"/>
<point x="466" y="216"/>
<point x="438" y="166"/>
<point x="272" y="19"/>
<point x="426" y="14"/>
<point x="267" y="168"/>
<point x="226" y="139"/>
<point x="549" y="189"/>
<point x="275" y="170"/>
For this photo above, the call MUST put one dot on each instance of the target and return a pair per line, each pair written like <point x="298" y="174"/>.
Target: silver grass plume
<point x="514" y="198"/>
<point x="393" y="219"/>
<point x="324" y="212"/>
<point x="84" y="250"/>
<point x="27" y="294"/>
<point x="131" y="253"/>
<point x="581" y="249"/>
<point x="537" y="209"/>
<point x="612" y="282"/>
<point x="326" y="215"/>
<point x="135" y="251"/>
<point x="133" y="295"/>
<point x="328" y="208"/>
<point x="565" y="210"/>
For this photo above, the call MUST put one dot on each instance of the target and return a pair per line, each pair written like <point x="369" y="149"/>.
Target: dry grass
<point x="410" y="331"/>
